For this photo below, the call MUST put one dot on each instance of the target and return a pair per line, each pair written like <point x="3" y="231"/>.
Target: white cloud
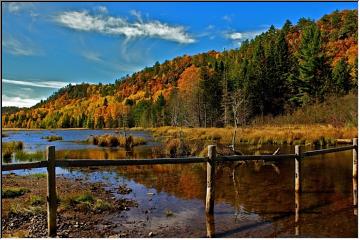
<point x="236" y="36"/>
<point x="18" y="102"/>
<point x="102" y="9"/>
<point x="16" y="47"/>
<point x="83" y="21"/>
<point x="43" y="84"/>
<point x="242" y="36"/>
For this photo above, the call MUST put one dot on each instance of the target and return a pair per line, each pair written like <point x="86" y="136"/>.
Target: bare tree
<point x="175" y="108"/>
<point x="241" y="111"/>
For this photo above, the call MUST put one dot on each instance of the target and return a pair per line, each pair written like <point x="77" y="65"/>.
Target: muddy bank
<point x="85" y="209"/>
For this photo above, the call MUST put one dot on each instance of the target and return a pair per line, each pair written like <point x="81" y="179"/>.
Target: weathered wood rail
<point x="212" y="159"/>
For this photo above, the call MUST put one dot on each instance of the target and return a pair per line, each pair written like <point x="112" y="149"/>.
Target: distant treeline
<point x="277" y="73"/>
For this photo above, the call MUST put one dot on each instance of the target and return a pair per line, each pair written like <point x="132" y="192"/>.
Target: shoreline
<point x="295" y="134"/>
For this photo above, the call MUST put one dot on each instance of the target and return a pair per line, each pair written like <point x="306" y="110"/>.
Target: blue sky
<point x="48" y="45"/>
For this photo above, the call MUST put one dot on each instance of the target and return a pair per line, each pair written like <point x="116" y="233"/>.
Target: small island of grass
<point x="116" y="141"/>
<point x="52" y="138"/>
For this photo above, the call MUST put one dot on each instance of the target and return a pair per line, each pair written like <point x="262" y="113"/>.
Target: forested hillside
<point x="276" y="73"/>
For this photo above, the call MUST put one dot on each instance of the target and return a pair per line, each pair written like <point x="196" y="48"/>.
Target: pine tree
<point x="341" y="78"/>
<point x="287" y="26"/>
<point x="313" y="68"/>
<point x="255" y="85"/>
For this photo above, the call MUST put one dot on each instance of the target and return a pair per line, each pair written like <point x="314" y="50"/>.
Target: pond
<point x="253" y="200"/>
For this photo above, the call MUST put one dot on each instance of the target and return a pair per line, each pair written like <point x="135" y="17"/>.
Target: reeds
<point x="8" y="148"/>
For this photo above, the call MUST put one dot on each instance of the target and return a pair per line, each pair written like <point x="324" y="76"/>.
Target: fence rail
<point x="329" y="150"/>
<point x="19" y="166"/>
<point x="212" y="159"/>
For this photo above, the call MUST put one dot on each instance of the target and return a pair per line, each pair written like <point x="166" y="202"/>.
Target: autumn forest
<point x="277" y="73"/>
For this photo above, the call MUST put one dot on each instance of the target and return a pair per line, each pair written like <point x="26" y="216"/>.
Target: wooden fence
<point x="51" y="163"/>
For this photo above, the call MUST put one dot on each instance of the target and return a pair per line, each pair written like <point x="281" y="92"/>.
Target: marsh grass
<point x="29" y="156"/>
<point x="318" y="135"/>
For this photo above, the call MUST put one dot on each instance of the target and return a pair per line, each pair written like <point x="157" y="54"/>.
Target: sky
<point x="46" y="45"/>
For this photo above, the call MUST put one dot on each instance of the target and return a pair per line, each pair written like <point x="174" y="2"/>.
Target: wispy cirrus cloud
<point x="92" y="56"/>
<point x="16" y="7"/>
<point x="42" y="84"/>
<point x="84" y="21"/>
<point x="17" y="47"/>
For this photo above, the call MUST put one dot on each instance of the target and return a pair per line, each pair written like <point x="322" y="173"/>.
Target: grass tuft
<point x="13" y="192"/>
<point x="36" y="200"/>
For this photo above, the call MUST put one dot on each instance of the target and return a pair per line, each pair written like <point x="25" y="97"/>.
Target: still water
<point x="252" y="200"/>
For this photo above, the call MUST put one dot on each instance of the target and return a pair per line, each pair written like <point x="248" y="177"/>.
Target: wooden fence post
<point x="298" y="168"/>
<point x="51" y="191"/>
<point x="355" y="157"/>
<point x="210" y="183"/>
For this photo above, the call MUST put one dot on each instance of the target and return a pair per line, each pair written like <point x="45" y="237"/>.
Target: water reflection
<point x="355" y="195"/>
<point x="210" y="225"/>
<point x="252" y="200"/>
<point x="297" y="213"/>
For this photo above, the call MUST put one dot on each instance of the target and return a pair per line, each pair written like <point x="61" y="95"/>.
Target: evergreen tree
<point x="341" y="76"/>
<point x="313" y="68"/>
<point x="255" y="85"/>
<point x="287" y="26"/>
